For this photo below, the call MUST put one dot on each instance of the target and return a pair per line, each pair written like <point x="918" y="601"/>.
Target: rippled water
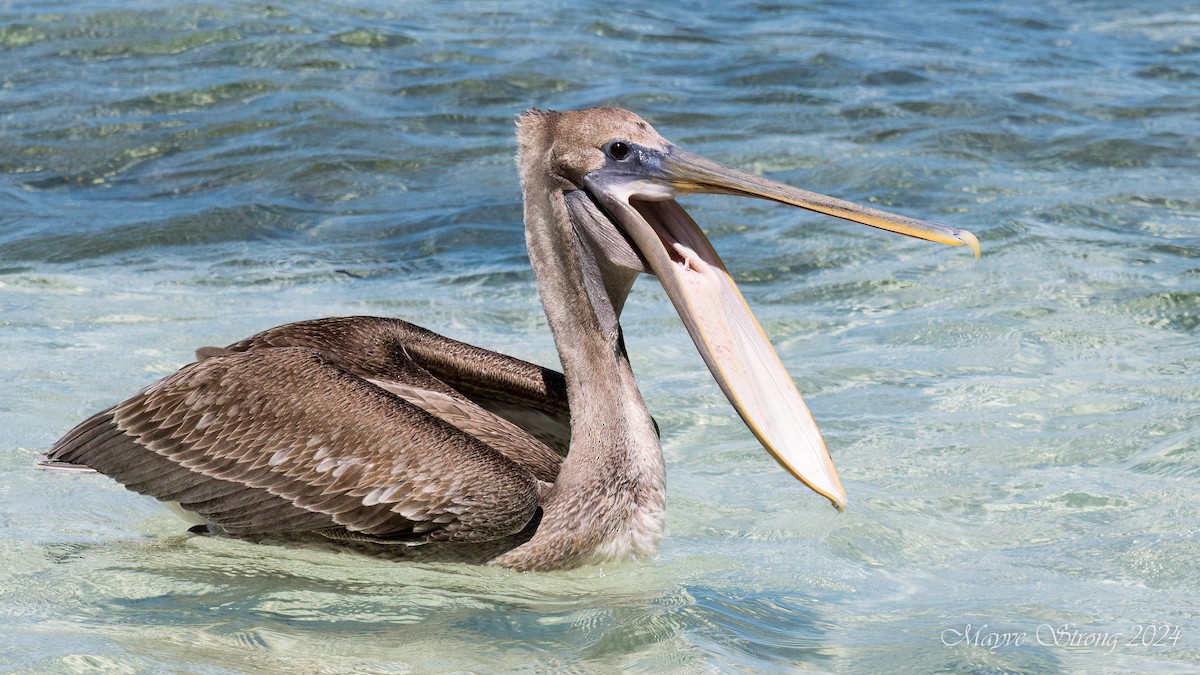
<point x="1019" y="436"/>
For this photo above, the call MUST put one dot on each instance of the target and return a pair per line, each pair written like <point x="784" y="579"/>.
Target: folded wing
<point x="287" y="439"/>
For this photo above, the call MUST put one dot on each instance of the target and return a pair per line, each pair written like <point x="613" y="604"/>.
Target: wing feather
<point x="284" y="440"/>
<point x="386" y="349"/>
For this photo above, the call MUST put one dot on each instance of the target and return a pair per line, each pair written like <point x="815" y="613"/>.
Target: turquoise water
<point x="1019" y="436"/>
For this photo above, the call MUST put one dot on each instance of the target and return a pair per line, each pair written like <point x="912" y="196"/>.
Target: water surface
<point x="1019" y="436"/>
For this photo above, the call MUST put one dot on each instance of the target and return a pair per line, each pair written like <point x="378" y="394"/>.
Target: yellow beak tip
<point x="971" y="241"/>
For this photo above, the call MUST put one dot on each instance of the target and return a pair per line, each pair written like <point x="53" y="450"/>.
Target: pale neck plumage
<point x="608" y="500"/>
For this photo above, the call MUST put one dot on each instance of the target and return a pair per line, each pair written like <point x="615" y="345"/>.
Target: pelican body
<point x="373" y="430"/>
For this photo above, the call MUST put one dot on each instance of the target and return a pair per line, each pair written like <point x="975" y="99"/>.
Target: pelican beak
<point x="686" y="172"/>
<point x="638" y="194"/>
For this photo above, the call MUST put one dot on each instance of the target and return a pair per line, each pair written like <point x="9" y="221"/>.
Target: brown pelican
<point x="374" y="430"/>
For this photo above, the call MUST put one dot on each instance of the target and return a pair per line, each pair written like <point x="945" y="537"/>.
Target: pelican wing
<point x="385" y="349"/>
<point x="286" y="440"/>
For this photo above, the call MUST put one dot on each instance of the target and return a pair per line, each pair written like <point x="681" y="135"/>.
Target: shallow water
<point x="1019" y="436"/>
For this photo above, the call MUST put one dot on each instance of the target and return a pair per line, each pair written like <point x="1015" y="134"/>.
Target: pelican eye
<point x="618" y="150"/>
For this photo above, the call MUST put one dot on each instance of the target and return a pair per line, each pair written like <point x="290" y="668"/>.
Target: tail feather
<point x="63" y="467"/>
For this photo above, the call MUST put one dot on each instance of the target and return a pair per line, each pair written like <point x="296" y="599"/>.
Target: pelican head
<point x="631" y="176"/>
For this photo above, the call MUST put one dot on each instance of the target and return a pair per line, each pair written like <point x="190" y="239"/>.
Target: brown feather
<point x="206" y="437"/>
